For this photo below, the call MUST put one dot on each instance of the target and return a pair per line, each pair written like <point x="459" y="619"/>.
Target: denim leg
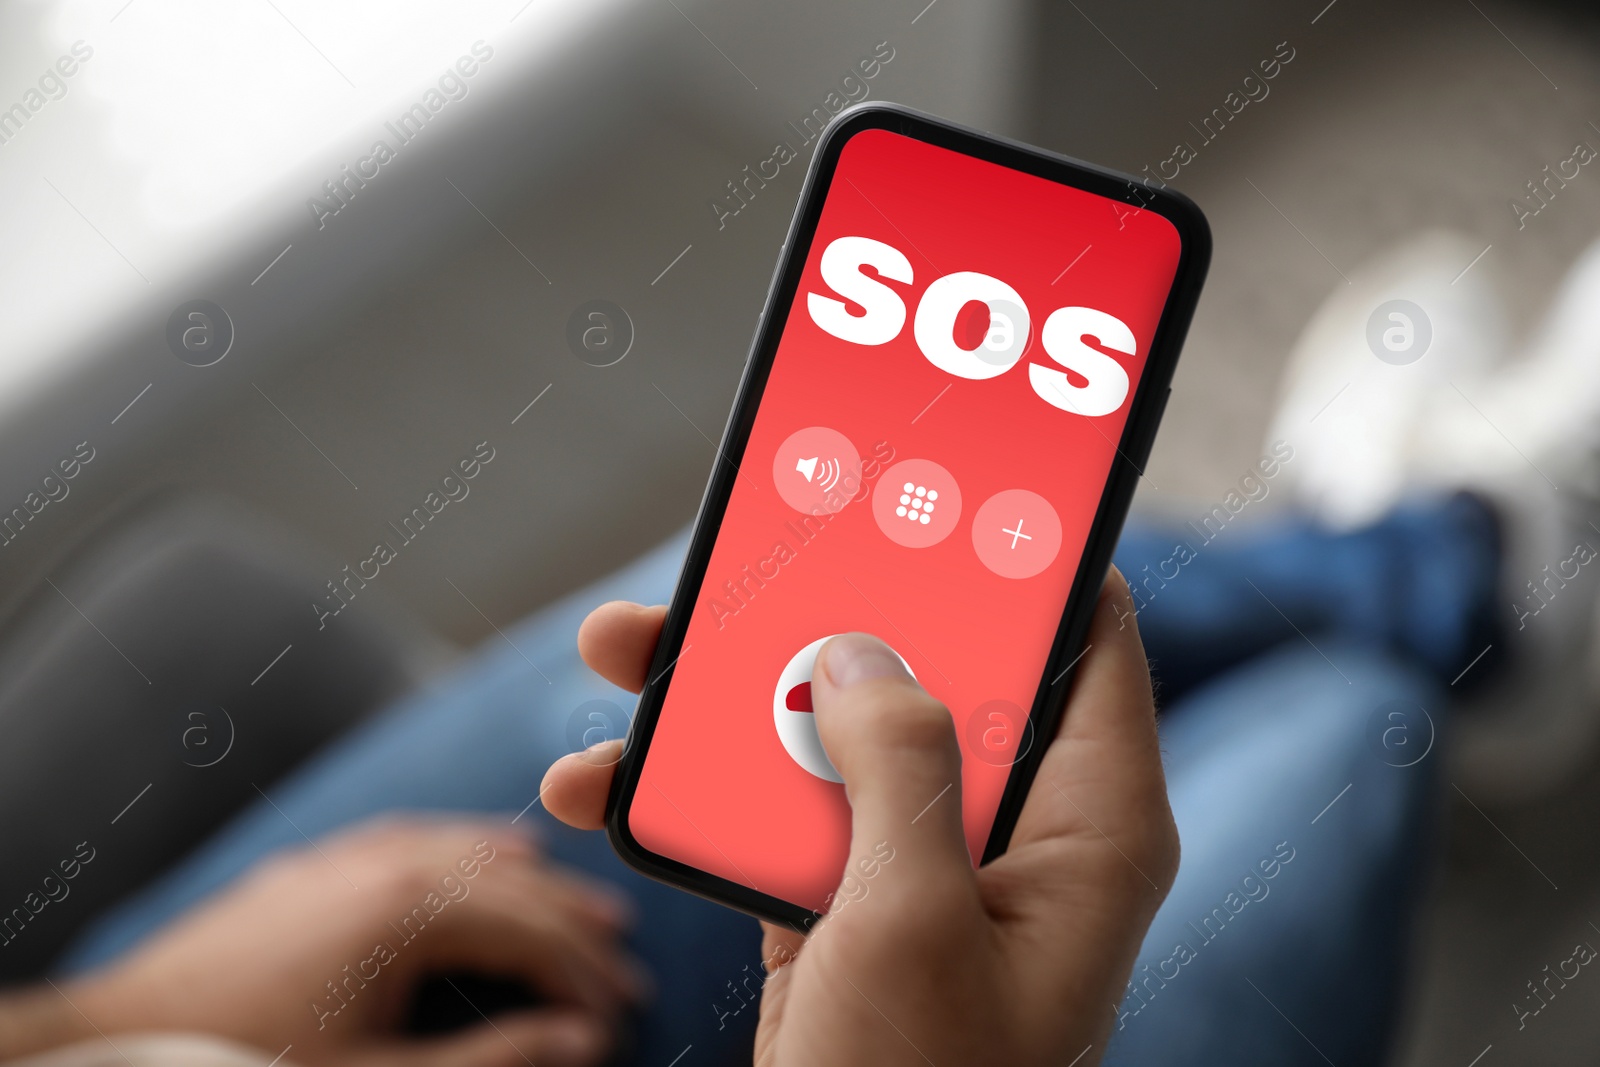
<point x="479" y="739"/>
<point x="1419" y="584"/>
<point x="1305" y="793"/>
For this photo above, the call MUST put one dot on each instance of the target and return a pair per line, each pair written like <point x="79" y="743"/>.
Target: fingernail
<point x="602" y="753"/>
<point x="851" y="659"/>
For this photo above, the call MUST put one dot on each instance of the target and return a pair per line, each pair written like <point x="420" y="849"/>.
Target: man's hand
<point x="1018" y="963"/>
<point x="322" y="948"/>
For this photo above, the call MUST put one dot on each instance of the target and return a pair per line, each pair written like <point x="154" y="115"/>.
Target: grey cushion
<point x="149" y="684"/>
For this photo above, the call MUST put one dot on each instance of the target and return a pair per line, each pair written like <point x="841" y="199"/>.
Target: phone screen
<point x="929" y="451"/>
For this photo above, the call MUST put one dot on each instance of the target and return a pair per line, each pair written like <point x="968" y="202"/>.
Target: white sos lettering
<point x="1062" y="336"/>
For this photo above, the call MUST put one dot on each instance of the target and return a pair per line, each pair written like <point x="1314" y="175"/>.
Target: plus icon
<point x="1016" y="534"/>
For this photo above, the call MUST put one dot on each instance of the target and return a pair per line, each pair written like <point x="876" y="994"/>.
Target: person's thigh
<point x="1304" y="787"/>
<point x="479" y="739"/>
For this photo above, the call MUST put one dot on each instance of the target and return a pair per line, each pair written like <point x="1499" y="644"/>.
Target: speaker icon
<point x="816" y="470"/>
<point x="829" y="474"/>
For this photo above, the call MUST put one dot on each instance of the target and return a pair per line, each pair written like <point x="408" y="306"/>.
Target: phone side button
<point x="755" y="339"/>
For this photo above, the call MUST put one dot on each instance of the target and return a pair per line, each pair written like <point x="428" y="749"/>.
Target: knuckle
<point x="1155" y="850"/>
<point x="1154" y="840"/>
<point x="384" y="831"/>
<point x="898" y="717"/>
<point x="1168" y="853"/>
<point x="399" y="880"/>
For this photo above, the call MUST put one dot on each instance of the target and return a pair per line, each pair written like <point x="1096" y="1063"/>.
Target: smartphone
<point x="965" y="352"/>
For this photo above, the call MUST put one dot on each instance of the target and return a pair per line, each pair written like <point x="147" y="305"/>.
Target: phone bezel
<point x="1138" y="435"/>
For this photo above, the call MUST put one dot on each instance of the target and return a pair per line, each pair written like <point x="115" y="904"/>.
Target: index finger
<point x="576" y="786"/>
<point x="618" y="639"/>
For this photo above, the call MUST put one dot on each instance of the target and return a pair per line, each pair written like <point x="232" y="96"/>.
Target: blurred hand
<point x="311" y="950"/>
<point x="1017" y="963"/>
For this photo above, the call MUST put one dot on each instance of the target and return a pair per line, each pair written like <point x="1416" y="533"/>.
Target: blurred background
<point x="367" y="322"/>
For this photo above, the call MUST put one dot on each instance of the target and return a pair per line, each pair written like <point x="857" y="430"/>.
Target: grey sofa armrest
<point x="148" y="686"/>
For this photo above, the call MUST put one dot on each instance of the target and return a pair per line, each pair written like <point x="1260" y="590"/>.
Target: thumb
<point x="550" y="1038"/>
<point x="895" y="746"/>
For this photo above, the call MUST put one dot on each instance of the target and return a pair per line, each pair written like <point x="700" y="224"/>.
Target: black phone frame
<point x="1138" y="435"/>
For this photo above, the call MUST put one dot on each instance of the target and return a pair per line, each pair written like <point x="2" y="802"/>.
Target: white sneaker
<point x="1537" y="417"/>
<point x="1369" y="362"/>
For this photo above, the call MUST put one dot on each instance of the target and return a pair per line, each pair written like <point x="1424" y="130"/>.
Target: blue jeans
<point x="1276" y="963"/>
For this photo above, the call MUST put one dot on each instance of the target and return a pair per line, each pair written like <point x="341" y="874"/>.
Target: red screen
<point x="925" y="464"/>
